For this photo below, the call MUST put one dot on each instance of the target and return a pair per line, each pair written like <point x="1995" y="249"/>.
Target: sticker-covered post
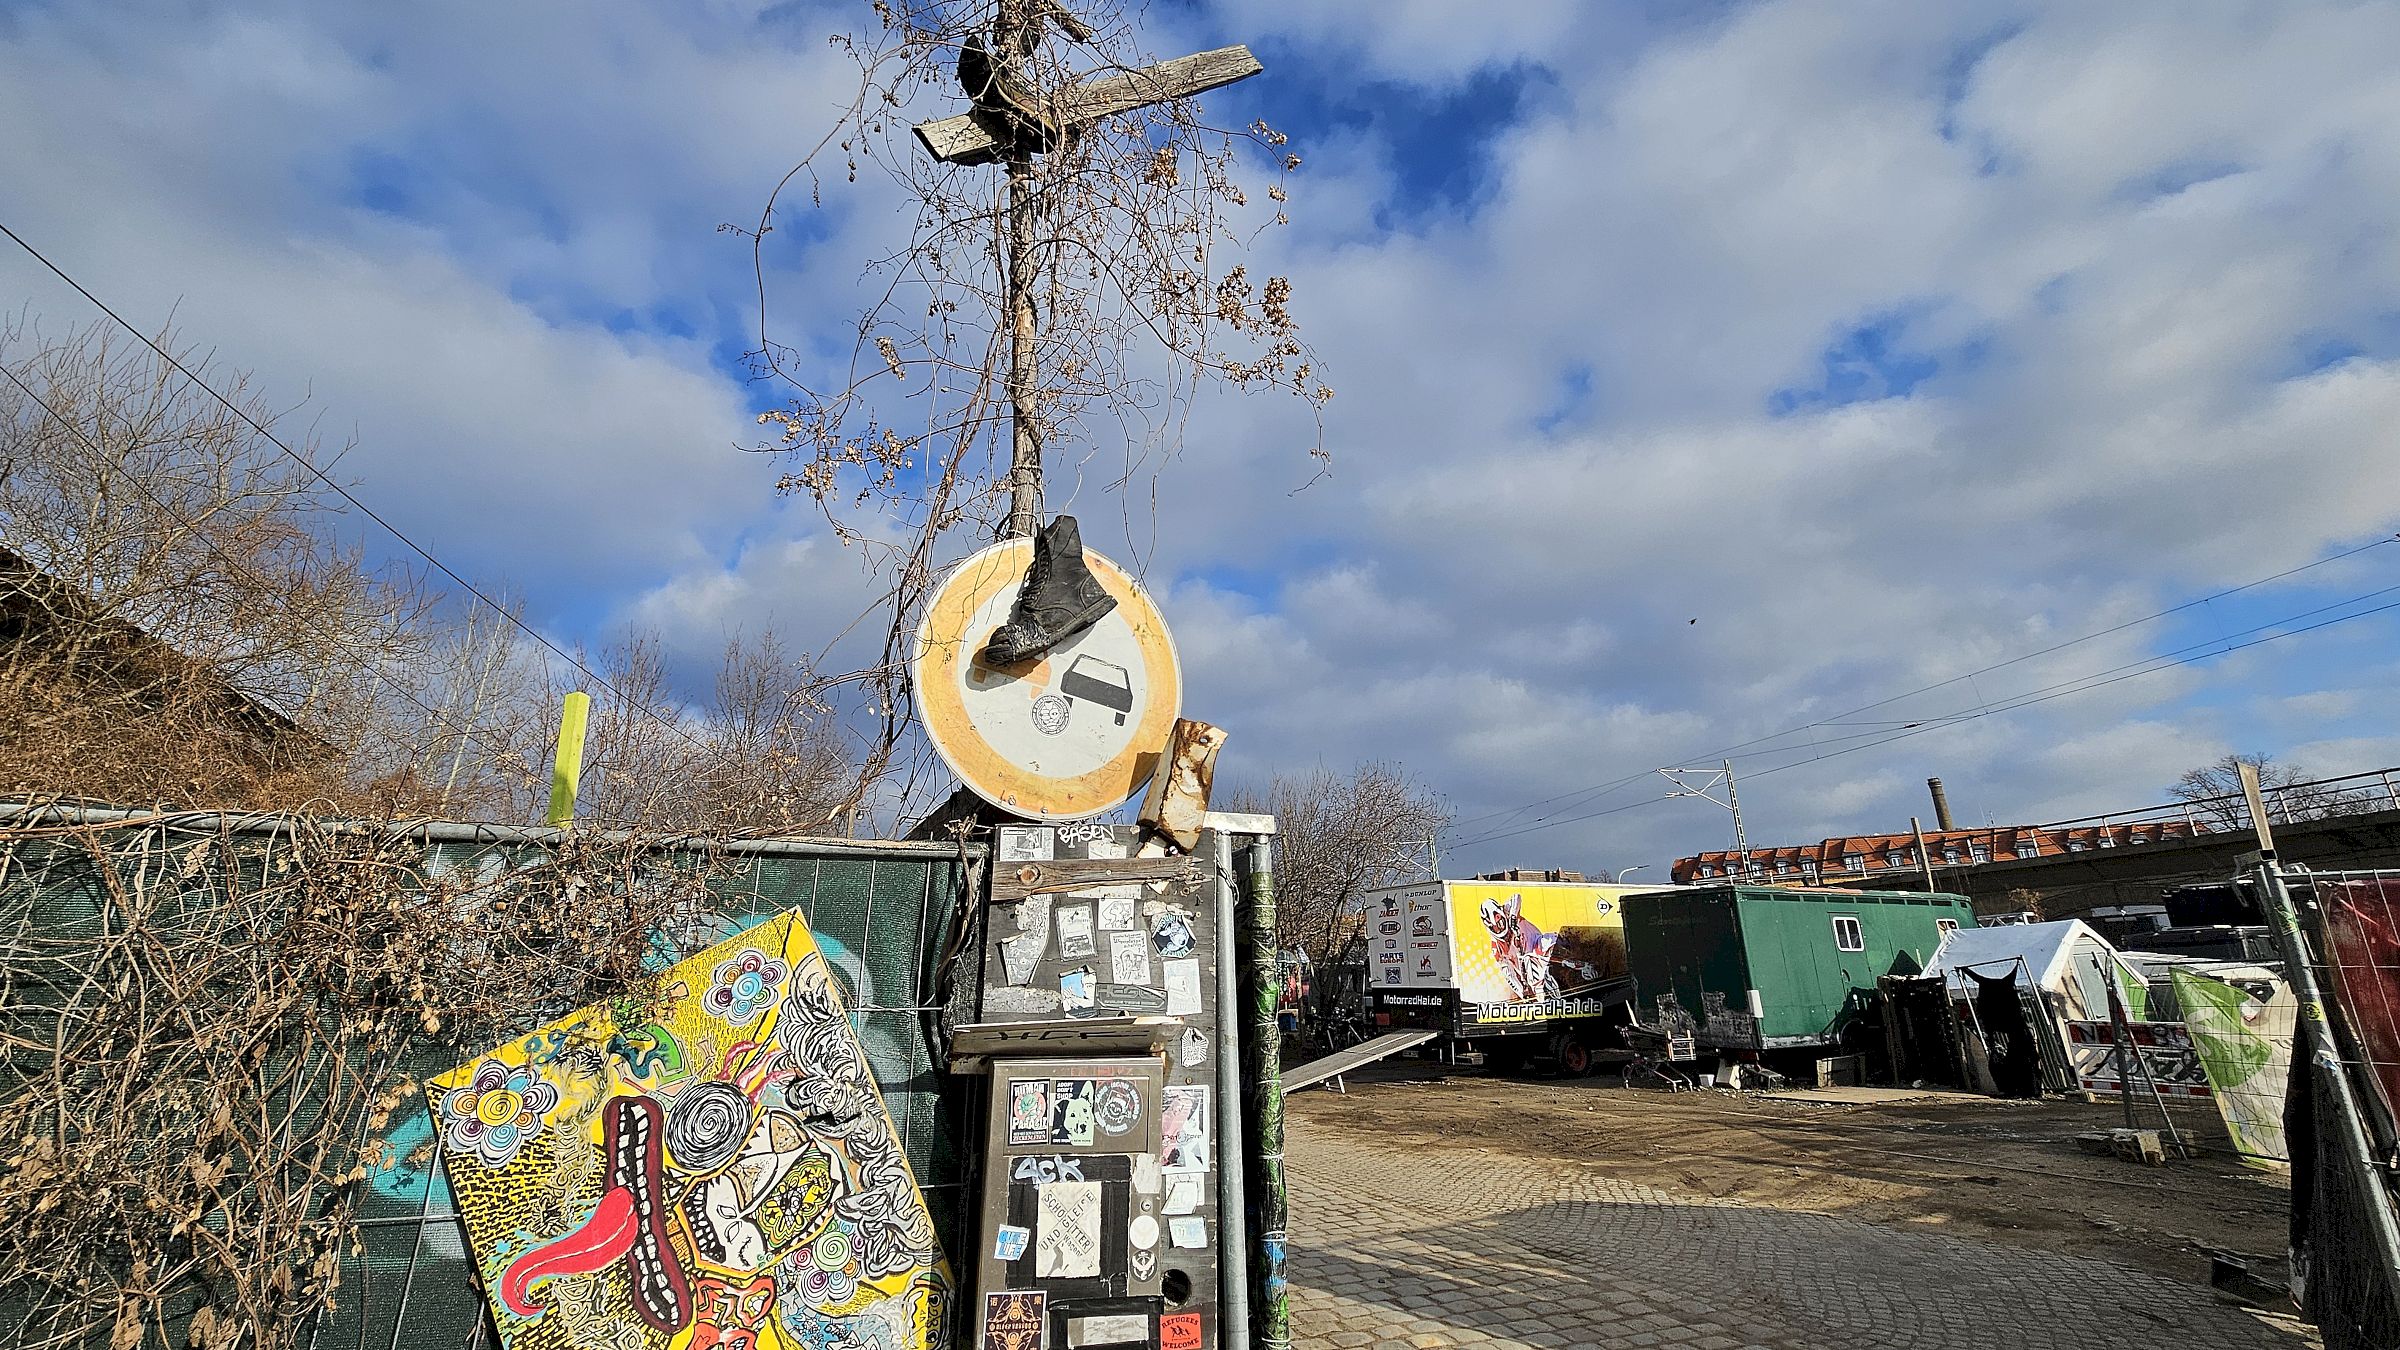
<point x="1270" y="1308"/>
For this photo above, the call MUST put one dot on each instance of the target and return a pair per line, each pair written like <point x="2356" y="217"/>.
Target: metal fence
<point x="882" y="913"/>
<point x="2342" y="1125"/>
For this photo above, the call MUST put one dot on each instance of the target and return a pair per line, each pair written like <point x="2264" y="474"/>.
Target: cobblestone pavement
<point x="1461" y="1246"/>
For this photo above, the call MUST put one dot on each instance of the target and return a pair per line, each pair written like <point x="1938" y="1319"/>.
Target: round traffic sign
<point x="1068" y="734"/>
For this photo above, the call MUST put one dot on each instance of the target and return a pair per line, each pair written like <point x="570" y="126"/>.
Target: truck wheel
<point x="1574" y="1057"/>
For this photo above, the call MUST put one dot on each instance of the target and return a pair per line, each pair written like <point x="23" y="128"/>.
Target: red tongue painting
<point x="629" y="1225"/>
<point x="603" y="1239"/>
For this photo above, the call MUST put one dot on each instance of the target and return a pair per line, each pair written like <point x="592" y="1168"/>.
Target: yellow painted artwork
<point x="1518" y="943"/>
<point x="724" y="1177"/>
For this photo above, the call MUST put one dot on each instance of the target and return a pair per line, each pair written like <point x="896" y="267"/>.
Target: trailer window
<point x="1848" y="936"/>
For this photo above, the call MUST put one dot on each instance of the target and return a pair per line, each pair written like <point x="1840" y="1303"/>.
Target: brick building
<point x="1881" y="856"/>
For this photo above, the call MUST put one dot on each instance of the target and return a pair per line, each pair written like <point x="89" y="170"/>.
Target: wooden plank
<point x="1353" y="1059"/>
<point x="1016" y="881"/>
<point x="971" y="1045"/>
<point x="978" y="137"/>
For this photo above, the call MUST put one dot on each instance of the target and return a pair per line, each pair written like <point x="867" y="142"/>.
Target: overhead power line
<point x="346" y="495"/>
<point x="1566" y="800"/>
<point x="2192" y="655"/>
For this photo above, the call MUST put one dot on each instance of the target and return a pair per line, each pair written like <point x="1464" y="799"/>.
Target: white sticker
<point x="1104" y="848"/>
<point x="1191" y="1048"/>
<point x="1020" y="954"/>
<point x="1184" y="1196"/>
<point x="1116" y="912"/>
<point x="1075" y="931"/>
<point x="1033" y="918"/>
<point x="1009" y="1243"/>
<point x="1146" y="1174"/>
<point x="1129" y="958"/>
<point x="1183" y="986"/>
<point x="1067" y="1219"/>
<point x="1142" y="1232"/>
<point x="1183" y="1129"/>
<point x="1027" y="843"/>
<point x="1115" y="1329"/>
<point x="1188" y="1231"/>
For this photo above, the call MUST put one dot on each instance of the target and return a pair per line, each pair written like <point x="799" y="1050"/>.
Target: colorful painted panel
<point x="723" y="1176"/>
<point x="2245" y="1045"/>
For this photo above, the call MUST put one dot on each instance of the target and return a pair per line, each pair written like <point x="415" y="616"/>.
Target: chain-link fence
<point x="883" y="913"/>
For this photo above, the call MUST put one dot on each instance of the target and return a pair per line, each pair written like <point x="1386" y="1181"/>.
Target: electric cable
<point x="2084" y="684"/>
<point x="1592" y="791"/>
<point x="346" y="495"/>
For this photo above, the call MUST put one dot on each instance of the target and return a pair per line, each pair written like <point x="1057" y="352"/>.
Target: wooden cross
<point x="1011" y="123"/>
<point x="984" y="135"/>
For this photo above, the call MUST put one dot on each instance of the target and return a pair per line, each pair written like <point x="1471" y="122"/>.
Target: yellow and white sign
<point x="1068" y="735"/>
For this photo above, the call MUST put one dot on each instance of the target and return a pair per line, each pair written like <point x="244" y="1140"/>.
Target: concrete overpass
<point x="2067" y="885"/>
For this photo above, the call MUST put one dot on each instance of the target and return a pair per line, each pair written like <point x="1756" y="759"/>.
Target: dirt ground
<point x="2007" y="1171"/>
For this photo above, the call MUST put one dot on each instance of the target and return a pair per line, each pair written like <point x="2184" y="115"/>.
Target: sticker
<point x="1020" y="954"/>
<point x="1146" y="1174"/>
<point x="1102" y="846"/>
<point x="1067" y="1218"/>
<point x="1075" y="931"/>
<point x="1012" y="1320"/>
<point x="1033" y="918"/>
<point x="1112" y="1329"/>
<point x="1191" y="1048"/>
<point x="1183" y="987"/>
<point x="1116" y="913"/>
<point x="1075" y="990"/>
<point x="1128" y="958"/>
<point x="1028" y="1110"/>
<point x="1027" y="843"/>
<point x="1179" y="1331"/>
<point x="1001" y="998"/>
<point x="1183" y="1129"/>
<point x="1009" y="1243"/>
<point x="1071" y="1112"/>
<point x="1142" y="1232"/>
<point x="1187" y="1232"/>
<point x="1184" y="1196"/>
<point x="1171" y="933"/>
<point x="1050" y="714"/>
<point x="1132" y="998"/>
<point x="1117" y="1108"/>
<point x="1144" y="1263"/>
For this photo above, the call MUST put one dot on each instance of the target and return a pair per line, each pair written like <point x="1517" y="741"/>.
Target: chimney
<point x="1941" y="805"/>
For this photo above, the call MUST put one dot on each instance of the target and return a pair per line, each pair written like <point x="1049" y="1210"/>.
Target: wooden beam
<point x="1016" y="881"/>
<point x="980" y="136"/>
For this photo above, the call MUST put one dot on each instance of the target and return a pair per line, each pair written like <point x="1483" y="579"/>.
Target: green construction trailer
<point x="1749" y="968"/>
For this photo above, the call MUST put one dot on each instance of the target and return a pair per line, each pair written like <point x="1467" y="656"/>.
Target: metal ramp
<point x="1357" y="1057"/>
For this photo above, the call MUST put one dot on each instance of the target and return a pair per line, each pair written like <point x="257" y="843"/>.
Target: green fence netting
<point x="881" y="912"/>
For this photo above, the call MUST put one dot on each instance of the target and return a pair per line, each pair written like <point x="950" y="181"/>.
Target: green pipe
<point x="1262" y="1105"/>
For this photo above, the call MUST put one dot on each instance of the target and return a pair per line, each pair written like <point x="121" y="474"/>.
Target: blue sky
<point x="1703" y="371"/>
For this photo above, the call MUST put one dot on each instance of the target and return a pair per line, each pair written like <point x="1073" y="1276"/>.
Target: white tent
<point x="2068" y="958"/>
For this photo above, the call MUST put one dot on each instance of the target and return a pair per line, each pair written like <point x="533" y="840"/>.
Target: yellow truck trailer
<point x="1515" y="969"/>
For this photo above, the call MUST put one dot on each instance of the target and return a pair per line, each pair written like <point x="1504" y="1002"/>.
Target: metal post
<point x="1270" y="1205"/>
<point x="1924" y="859"/>
<point x="1233" y="1265"/>
<point x="1733" y="801"/>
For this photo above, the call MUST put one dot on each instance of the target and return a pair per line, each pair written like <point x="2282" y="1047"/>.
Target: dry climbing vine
<point x="206" y="1023"/>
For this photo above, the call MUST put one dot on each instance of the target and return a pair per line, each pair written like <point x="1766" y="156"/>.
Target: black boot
<point x="1061" y="598"/>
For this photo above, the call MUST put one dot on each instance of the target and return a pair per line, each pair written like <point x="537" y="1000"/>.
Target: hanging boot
<point x="1060" y="598"/>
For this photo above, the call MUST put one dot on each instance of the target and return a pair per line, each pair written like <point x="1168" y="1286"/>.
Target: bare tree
<point x="2214" y="790"/>
<point x="1123" y="234"/>
<point x="180" y="626"/>
<point x="1336" y="837"/>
